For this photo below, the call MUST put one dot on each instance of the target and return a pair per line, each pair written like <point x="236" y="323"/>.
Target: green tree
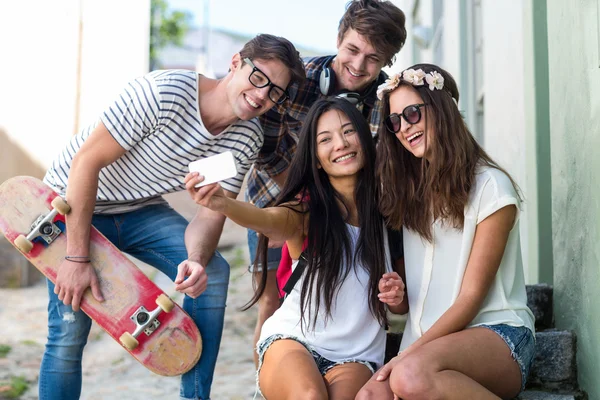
<point x="166" y="27"/>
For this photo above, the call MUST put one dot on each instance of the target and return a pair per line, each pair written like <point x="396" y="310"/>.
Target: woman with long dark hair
<point x="469" y="333"/>
<point x="328" y="336"/>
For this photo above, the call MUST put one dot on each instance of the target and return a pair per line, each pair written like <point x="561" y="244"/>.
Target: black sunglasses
<point x="260" y="80"/>
<point x="411" y="114"/>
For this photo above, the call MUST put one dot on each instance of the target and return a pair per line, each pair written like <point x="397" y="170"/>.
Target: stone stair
<point x="553" y="375"/>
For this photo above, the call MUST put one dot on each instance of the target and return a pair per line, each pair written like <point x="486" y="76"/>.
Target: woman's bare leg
<point x="472" y="364"/>
<point x="375" y="390"/>
<point x="345" y="380"/>
<point x="289" y="372"/>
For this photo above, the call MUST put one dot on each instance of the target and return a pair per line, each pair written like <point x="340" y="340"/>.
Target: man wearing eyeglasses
<point x="114" y="173"/>
<point x="370" y="33"/>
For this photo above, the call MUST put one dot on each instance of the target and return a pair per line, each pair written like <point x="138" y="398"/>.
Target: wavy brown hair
<point x="414" y="191"/>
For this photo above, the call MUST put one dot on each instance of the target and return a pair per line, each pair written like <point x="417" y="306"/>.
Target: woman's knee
<point x="411" y="379"/>
<point x="312" y="393"/>
<point x="375" y="391"/>
<point x="306" y="391"/>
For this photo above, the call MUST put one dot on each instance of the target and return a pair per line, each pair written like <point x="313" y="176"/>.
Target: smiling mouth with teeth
<point x="344" y="158"/>
<point x="253" y="104"/>
<point x="353" y="74"/>
<point x="414" y="136"/>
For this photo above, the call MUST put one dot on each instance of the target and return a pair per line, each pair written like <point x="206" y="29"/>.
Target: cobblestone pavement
<point x="108" y="371"/>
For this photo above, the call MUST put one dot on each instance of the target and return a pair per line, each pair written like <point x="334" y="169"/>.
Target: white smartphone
<point x="215" y="168"/>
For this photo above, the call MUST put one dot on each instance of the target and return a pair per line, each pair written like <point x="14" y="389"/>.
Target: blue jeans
<point x="273" y="255"/>
<point x="154" y="235"/>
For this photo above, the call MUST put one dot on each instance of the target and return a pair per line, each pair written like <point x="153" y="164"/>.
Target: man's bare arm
<point x="98" y="151"/>
<point x="201" y="239"/>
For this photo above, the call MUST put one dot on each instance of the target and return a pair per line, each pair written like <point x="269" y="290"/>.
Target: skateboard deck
<point x="135" y="312"/>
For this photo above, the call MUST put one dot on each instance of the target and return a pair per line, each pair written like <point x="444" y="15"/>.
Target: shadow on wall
<point x="15" y="270"/>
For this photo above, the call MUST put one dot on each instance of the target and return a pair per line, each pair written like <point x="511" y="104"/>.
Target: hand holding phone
<point x="215" y="168"/>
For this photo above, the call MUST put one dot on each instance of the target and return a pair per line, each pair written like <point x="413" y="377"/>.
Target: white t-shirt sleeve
<point x="495" y="193"/>
<point x="135" y="112"/>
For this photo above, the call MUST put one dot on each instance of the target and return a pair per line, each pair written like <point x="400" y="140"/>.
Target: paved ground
<point x="109" y="372"/>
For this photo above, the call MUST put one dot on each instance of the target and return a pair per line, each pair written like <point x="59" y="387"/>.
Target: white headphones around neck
<point x="327" y="84"/>
<point x="327" y="79"/>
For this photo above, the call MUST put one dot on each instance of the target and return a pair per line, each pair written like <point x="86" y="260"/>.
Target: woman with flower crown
<point x="469" y="334"/>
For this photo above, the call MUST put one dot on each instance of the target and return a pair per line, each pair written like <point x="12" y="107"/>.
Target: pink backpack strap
<point x="284" y="271"/>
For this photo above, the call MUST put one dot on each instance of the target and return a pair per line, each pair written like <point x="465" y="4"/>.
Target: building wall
<point x="504" y="133"/>
<point x="42" y="101"/>
<point x="574" y="73"/>
<point x="49" y="88"/>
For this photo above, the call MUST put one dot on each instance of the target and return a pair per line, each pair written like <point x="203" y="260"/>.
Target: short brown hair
<point x="380" y="22"/>
<point x="270" y="47"/>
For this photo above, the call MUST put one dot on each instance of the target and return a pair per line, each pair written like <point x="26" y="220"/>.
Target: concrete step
<point x="554" y="366"/>
<point x="539" y="395"/>
<point x="539" y="300"/>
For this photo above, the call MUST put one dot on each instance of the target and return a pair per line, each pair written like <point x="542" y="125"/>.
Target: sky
<point x="307" y="23"/>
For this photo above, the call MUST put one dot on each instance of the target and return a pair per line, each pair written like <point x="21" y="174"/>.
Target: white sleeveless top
<point x="351" y="332"/>
<point x="434" y="271"/>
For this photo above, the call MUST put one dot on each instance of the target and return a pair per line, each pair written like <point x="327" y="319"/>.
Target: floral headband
<point x="434" y="79"/>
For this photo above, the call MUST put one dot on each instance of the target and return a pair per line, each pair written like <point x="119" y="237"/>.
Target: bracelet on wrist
<point x="78" y="259"/>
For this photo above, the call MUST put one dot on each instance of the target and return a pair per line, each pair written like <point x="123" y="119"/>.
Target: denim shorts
<point x="323" y="364"/>
<point x="521" y="342"/>
<point x="273" y="255"/>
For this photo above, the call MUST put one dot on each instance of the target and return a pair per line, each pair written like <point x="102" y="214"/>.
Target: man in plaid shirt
<point x="370" y="33"/>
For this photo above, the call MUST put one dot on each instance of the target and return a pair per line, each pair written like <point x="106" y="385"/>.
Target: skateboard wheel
<point x="60" y="206"/>
<point x="23" y="244"/>
<point x="128" y="341"/>
<point x="165" y="303"/>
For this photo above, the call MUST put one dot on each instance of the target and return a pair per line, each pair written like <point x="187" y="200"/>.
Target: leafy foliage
<point x="166" y="27"/>
<point x="13" y="389"/>
<point x="4" y="350"/>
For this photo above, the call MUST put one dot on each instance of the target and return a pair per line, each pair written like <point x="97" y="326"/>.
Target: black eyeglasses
<point x="260" y="80"/>
<point x="411" y="114"/>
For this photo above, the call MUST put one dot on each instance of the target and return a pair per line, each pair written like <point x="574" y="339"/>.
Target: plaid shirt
<point x="281" y="126"/>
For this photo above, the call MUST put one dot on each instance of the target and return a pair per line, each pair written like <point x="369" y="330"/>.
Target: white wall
<point x="38" y="68"/>
<point x="450" y="38"/>
<point x="504" y="87"/>
<point x="404" y="58"/>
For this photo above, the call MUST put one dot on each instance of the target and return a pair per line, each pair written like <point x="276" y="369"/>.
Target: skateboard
<point x="135" y="312"/>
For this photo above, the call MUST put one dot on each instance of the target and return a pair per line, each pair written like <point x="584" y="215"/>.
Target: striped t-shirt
<point x="157" y="120"/>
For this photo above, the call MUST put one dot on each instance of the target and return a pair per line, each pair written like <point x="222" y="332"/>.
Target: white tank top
<point x="351" y="332"/>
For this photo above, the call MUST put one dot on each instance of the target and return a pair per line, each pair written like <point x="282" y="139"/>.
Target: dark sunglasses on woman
<point x="411" y="114"/>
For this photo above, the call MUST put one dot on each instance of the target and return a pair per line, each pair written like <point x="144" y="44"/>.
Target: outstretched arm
<point x="277" y="223"/>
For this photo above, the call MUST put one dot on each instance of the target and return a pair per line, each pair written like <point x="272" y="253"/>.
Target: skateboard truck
<point x="43" y="227"/>
<point x="146" y="321"/>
